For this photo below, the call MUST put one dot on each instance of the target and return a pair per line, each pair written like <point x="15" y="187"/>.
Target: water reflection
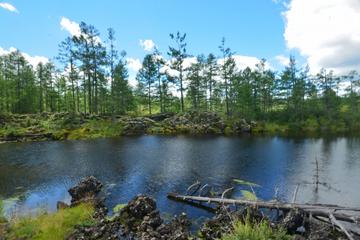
<point x="42" y="172"/>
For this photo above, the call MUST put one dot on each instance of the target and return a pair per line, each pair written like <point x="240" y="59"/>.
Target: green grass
<point x="255" y="231"/>
<point x="2" y="214"/>
<point x="95" y="129"/>
<point x="53" y="226"/>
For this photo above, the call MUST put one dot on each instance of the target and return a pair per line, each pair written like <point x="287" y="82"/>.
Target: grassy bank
<point x="44" y="226"/>
<point x="63" y="126"/>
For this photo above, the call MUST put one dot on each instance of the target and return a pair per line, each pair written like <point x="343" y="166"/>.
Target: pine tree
<point x="178" y="55"/>
<point x="227" y="73"/>
<point x="147" y="75"/>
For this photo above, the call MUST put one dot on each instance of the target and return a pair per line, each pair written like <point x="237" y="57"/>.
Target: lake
<point x="37" y="175"/>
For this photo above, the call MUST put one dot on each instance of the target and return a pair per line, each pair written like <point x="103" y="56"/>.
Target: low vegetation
<point x="67" y="126"/>
<point x="255" y="231"/>
<point x="55" y="226"/>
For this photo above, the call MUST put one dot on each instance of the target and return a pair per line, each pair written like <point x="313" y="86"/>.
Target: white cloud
<point x="243" y="62"/>
<point x="325" y="32"/>
<point x="148" y="45"/>
<point x="134" y="64"/>
<point x="5" y="52"/>
<point x="188" y="61"/>
<point x="33" y="60"/>
<point x="283" y="60"/>
<point x="9" y="7"/>
<point x="174" y="73"/>
<point x="72" y="27"/>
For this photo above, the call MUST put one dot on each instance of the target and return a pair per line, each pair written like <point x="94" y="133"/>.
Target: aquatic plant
<point x="246" y="183"/>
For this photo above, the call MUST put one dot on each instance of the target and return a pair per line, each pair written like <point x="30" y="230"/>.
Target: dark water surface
<point x="38" y="174"/>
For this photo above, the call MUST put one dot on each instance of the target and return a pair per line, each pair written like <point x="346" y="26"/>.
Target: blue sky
<point x="270" y="29"/>
<point x="252" y="28"/>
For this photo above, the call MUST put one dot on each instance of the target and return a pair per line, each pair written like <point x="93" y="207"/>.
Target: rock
<point x="138" y="220"/>
<point x="139" y="207"/>
<point x="294" y="220"/>
<point x="216" y="227"/>
<point x="161" y="116"/>
<point x="86" y="190"/>
<point x="177" y="229"/>
<point x="298" y="237"/>
<point x="196" y="123"/>
<point x="140" y="213"/>
<point x="137" y="126"/>
<point x="241" y="126"/>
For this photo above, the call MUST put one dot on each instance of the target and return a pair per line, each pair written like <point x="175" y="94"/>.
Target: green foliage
<point x="255" y="231"/>
<point x="2" y="214"/>
<point x="292" y="101"/>
<point x="96" y="129"/>
<point x="228" y="131"/>
<point x="55" y="226"/>
<point x="311" y="125"/>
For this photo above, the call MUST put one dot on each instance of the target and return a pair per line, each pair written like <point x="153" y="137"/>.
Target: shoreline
<point x="140" y="219"/>
<point x="66" y="126"/>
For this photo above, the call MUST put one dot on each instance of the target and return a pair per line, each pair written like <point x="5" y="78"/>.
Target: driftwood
<point x="193" y="188"/>
<point x="334" y="213"/>
<point x="338" y="224"/>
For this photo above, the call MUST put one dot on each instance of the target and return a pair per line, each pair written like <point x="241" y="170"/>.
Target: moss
<point x="214" y="131"/>
<point x="228" y="131"/>
<point x="183" y="129"/>
<point x="96" y="129"/>
<point x="79" y="133"/>
<point x="54" y="226"/>
<point x="255" y="231"/>
<point x="61" y="134"/>
<point x="118" y="207"/>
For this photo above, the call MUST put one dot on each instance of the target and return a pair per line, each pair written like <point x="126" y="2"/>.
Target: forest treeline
<point x="94" y="78"/>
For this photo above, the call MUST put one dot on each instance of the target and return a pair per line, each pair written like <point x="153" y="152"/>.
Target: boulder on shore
<point x="139" y="219"/>
<point x="86" y="190"/>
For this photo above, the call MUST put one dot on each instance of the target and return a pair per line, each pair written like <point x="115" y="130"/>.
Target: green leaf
<point x="243" y="182"/>
<point x="247" y="195"/>
<point x="118" y="207"/>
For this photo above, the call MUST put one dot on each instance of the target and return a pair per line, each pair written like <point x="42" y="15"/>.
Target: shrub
<point x="255" y="231"/>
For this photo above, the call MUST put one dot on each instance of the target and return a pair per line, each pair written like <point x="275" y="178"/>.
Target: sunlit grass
<point x="54" y="226"/>
<point x="2" y="214"/>
<point x="255" y="231"/>
<point x="96" y="129"/>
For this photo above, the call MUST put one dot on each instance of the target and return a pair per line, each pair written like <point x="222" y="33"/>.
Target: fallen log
<point x="321" y="210"/>
<point x="338" y="224"/>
